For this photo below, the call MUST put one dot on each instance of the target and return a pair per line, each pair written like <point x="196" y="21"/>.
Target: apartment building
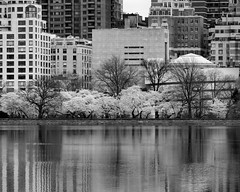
<point x="211" y="10"/>
<point x="187" y="31"/>
<point x="24" y="44"/>
<point x="72" y="57"/>
<point x="225" y="38"/>
<point x="80" y="17"/>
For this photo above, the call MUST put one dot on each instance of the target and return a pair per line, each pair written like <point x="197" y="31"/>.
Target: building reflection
<point x="119" y="159"/>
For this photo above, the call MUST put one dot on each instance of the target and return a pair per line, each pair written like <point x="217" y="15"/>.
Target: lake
<point x="119" y="158"/>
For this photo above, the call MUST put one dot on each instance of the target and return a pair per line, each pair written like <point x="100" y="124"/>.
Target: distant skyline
<point x="137" y="6"/>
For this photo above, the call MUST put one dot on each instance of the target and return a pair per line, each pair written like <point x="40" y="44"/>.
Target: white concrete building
<point x="72" y="56"/>
<point x="24" y="46"/>
<point x="132" y="45"/>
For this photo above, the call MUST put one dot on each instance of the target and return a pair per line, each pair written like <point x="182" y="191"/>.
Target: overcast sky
<point x="137" y="6"/>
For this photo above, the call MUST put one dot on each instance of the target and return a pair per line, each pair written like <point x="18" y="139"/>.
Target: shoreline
<point x="148" y="122"/>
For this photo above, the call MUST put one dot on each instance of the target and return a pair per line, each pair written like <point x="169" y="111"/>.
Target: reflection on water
<point x="124" y="159"/>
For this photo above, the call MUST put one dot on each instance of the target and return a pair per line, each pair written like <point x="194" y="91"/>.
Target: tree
<point x="190" y="79"/>
<point x="15" y="106"/>
<point x="219" y="84"/>
<point x="137" y="103"/>
<point x="113" y="76"/>
<point x="155" y="71"/>
<point x="44" y="96"/>
<point x="218" y="108"/>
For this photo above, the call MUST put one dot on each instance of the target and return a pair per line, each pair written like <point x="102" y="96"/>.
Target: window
<point x="64" y="50"/>
<point x="74" y="57"/>
<point x="30" y="22"/>
<point x="10" y="63"/>
<point x="19" y="15"/>
<point x="10" y="70"/>
<point x="220" y="58"/>
<point x="21" y="43"/>
<point x="21" y="49"/>
<point x="30" y="56"/>
<point x="21" y="29"/>
<point x="10" y="43"/>
<point x="10" y="56"/>
<point x="21" y="22"/>
<point x="220" y="52"/>
<point x="21" y="56"/>
<point x="21" y="63"/>
<point x="64" y="57"/>
<point x="30" y="29"/>
<point x="21" y="76"/>
<point x="19" y="9"/>
<point x="21" y="70"/>
<point x="220" y="45"/>
<point x="10" y="50"/>
<point x="10" y="77"/>
<point x="10" y="36"/>
<point x="21" y="36"/>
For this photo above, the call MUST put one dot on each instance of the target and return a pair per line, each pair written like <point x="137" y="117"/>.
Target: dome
<point x="194" y="59"/>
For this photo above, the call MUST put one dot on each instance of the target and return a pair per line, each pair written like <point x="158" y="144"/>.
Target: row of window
<point x="30" y="43"/>
<point x="30" y="36"/>
<point x="24" y="56"/>
<point x="19" y="70"/>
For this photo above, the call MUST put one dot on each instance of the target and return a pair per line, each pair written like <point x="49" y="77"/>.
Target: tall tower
<point x="24" y="45"/>
<point x="79" y="17"/>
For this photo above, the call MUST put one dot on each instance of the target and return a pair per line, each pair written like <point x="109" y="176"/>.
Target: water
<point x="119" y="159"/>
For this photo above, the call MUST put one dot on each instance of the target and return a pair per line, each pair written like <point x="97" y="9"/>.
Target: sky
<point x="137" y="6"/>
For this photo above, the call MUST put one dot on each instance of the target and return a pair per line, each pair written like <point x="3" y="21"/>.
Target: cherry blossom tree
<point x="44" y="96"/>
<point x="137" y="103"/>
<point x="15" y="106"/>
<point x="218" y="108"/>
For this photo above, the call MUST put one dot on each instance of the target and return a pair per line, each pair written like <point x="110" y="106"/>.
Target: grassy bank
<point x="121" y="122"/>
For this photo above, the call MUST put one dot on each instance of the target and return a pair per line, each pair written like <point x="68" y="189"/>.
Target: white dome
<point x="194" y="59"/>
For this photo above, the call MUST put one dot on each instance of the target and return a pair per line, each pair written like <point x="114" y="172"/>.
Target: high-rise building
<point x="211" y="10"/>
<point x="225" y="38"/>
<point x="79" y="17"/>
<point x="187" y="32"/>
<point x="24" y="46"/>
<point x="72" y="56"/>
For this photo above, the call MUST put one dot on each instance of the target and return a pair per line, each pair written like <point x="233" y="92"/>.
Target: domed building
<point x="193" y="59"/>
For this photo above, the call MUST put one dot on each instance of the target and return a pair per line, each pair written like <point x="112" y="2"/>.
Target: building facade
<point x="225" y="39"/>
<point x="72" y="57"/>
<point x="24" y="45"/>
<point x="134" y="20"/>
<point x="132" y="45"/>
<point x="211" y="10"/>
<point x="79" y="17"/>
<point x="187" y="32"/>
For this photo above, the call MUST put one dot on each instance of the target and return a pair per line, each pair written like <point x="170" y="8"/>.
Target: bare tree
<point x="155" y="72"/>
<point x="220" y="85"/>
<point x="190" y="78"/>
<point x="113" y="76"/>
<point x="43" y="96"/>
